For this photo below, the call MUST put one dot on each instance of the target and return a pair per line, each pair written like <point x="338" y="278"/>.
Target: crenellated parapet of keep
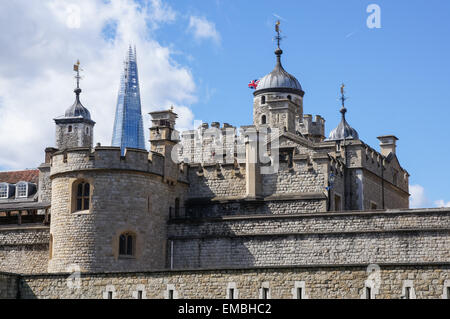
<point x="110" y="158"/>
<point x="312" y="129"/>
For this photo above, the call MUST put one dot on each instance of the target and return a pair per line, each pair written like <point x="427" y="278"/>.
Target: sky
<point x="200" y="55"/>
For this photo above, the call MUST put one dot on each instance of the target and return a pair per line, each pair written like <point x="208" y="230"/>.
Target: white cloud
<point x="41" y="44"/>
<point x="441" y="203"/>
<point x="418" y="198"/>
<point x="202" y="29"/>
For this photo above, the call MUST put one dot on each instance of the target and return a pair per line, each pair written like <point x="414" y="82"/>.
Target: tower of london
<point x="280" y="208"/>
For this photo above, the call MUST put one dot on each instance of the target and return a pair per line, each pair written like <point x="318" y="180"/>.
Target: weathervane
<point x="76" y="68"/>
<point x="343" y="99"/>
<point x="278" y="37"/>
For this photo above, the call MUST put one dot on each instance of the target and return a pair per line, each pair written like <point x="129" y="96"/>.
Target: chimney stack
<point x="388" y="144"/>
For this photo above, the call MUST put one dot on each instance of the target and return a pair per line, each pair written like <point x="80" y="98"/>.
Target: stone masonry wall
<point x="329" y="238"/>
<point x="318" y="282"/>
<point x="24" y="249"/>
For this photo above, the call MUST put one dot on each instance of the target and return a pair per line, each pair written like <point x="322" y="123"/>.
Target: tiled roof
<point x="31" y="176"/>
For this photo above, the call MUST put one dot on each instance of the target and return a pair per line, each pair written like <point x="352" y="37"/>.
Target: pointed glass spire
<point x="128" y="129"/>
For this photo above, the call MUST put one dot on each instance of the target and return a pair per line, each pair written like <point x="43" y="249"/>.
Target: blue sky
<point x="200" y="55"/>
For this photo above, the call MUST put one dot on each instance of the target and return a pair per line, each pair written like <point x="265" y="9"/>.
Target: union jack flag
<point x="253" y="84"/>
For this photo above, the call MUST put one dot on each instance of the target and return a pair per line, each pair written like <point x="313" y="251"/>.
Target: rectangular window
<point x="110" y="295"/>
<point x="231" y="292"/>
<point x="299" y="293"/>
<point x="373" y="206"/>
<point x="139" y="294"/>
<point x="22" y="190"/>
<point x="265" y="293"/>
<point x="448" y="292"/>
<point x="3" y="191"/>
<point x="170" y="294"/>
<point x="368" y="293"/>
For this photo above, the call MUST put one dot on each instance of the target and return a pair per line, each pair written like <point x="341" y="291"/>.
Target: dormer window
<point x="22" y="190"/>
<point x="4" y="188"/>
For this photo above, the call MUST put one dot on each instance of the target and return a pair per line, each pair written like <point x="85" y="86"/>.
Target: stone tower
<point x="163" y="138"/>
<point x="75" y="128"/>
<point x="278" y="99"/>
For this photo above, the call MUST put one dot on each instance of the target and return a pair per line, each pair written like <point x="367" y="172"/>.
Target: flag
<point x="253" y="84"/>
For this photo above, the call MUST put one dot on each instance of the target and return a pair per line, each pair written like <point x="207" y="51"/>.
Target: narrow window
<point x="87" y="130"/>
<point x="299" y="293"/>
<point x="263" y="99"/>
<point x="83" y="194"/>
<point x="263" y="119"/>
<point x="265" y="293"/>
<point x="368" y="293"/>
<point x="407" y="292"/>
<point x="337" y="203"/>
<point x="126" y="244"/>
<point x="231" y="293"/>
<point x="448" y="292"/>
<point x="177" y="207"/>
<point x="69" y="129"/>
<point x="373" y="206"/>
<point x="50" y="248"/>
<point x="289" y="97"/>
<point x="170" y="294"/>
<point x="110" y="295"/>
<point x="139" y="294"/>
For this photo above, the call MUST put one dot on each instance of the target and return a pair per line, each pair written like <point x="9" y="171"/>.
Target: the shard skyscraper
<point x="128" y="125"/>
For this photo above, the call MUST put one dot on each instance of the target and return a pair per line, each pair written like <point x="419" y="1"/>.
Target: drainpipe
<point x="171" y="254"/>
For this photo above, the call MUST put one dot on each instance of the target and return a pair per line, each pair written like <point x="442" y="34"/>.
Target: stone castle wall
<point x="329" y="238"/>
<point x="24" y="249"/>
<point x="426" y="281"/>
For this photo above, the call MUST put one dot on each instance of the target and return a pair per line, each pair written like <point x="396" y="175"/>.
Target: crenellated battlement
<point x="312" y="129"/>
<point x="109" y="158"/>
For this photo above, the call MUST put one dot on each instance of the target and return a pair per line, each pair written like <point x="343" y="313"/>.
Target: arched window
<point x="126" y="244"/>
<point x="69" y="129"/>
<point x="82" y="196"/>
<point x="263" y="119"/>
<point x="263" y="99"/>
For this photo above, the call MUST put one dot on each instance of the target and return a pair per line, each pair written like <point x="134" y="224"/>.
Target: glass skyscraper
<point x="128" y="125"/>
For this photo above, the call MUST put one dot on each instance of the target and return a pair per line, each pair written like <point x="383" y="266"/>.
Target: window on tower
<point x="127" y="244"/>
<point x="69" y="129"/>
<point x="82" y="195"/>
<point x="263" y="99"/>
<point x="263" y="119"/>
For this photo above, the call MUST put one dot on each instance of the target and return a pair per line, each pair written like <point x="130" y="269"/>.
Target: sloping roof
<point x="14" y="177"/>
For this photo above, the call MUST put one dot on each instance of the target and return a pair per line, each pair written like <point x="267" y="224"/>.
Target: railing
<point x="20" y="219"/>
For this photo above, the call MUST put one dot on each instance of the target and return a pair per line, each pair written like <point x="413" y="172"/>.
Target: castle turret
<point x="75" y="128"/>
<point x="278" y="98"/>
<point x="163" y="138"/>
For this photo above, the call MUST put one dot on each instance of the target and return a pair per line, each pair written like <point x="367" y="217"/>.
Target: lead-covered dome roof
<point x="343" y="131"/>
<point x="77" y="109"/>
<point x="279" y="80"/>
